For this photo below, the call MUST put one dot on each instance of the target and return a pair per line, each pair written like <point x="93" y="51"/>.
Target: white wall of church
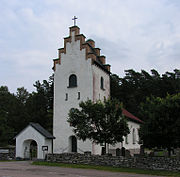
<point x="89" y="75"/>
<point x="132" y="139"/>
<point x="131" y="142"/>
<point x="98" y="93"/>
<point x="73" y="62"/>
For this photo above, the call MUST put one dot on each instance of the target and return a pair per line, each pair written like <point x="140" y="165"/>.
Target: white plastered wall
<point x="100" y="94"/>
<point x="73" y="62"/>
<point x="128" y="143"/>
<point x="24" y="139"/>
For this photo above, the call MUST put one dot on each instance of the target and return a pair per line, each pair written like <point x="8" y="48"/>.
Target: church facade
<point x="81" y="73"/>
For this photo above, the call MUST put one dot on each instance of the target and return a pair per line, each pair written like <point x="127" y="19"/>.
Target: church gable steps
<point x="90" y="50"/>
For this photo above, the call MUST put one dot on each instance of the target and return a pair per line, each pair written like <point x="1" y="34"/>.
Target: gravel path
<point x="25" y="169"/>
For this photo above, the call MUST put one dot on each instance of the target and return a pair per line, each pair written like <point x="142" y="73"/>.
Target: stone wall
<point x="154" y="163"/>
<point x="7" y="154"/>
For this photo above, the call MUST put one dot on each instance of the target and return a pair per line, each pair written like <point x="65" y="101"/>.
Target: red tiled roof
<point x="131" y="116"/>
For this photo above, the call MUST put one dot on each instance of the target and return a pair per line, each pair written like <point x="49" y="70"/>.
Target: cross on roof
<point x="75" y="18"/>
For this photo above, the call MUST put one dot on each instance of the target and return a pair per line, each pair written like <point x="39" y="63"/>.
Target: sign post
<point x="44" y="149"/>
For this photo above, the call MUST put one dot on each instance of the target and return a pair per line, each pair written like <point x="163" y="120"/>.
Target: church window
<point x="102" y="83"/>
<point x="126" y="139"/>
<point x="79" y="95"/>
<point x="72" y="80"/>
<point x="133" y="136"/>
<point x="66" y="97"/>
<point x="137" y="138"/>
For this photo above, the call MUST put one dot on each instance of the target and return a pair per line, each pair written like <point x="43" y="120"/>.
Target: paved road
<point x="25" y="169"/>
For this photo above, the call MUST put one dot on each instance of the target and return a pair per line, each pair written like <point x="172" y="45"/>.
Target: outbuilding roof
<point x="41" y="130"/>
<point x="131" y="116"/>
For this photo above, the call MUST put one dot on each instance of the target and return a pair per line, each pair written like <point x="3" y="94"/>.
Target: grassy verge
<point x="4" y="161"/>
<point x="111" y="169"/>
<point x="8" y="160"/>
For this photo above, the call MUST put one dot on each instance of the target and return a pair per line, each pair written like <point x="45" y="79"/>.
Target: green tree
<point x="17" y="110"/>
<point x="18" y="117"/>
<point x="39" y="105"/>
<point x="101" y="122"/>
<point x="161" y="127"/>
<point x="22" y="95"/>
<point x="134" y="87"/>
<point x="6" y="100"/>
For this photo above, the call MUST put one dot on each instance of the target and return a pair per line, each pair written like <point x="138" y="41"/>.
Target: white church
<point x="80" y="73"/>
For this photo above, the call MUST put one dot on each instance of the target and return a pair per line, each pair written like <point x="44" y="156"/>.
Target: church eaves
<point x="131" y="116"/>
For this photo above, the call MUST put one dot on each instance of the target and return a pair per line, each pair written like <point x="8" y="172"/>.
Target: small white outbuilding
<point x="33" y="142"/>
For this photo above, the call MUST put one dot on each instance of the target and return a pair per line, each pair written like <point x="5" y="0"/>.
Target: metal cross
<point x="75" y="18"/>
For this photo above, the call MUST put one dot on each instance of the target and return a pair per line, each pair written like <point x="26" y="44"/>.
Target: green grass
<point x="112" y="169"/>
<point x="4" y="160"/>
<point x="7" y="160"/>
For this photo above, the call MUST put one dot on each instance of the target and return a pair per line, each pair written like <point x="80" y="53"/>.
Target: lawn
<point x="111" y="169"/>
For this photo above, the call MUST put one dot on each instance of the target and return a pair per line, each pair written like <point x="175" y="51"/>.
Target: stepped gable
<point x="89" y="45"/>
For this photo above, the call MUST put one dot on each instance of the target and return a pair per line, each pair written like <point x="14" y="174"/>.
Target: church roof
<point x="131" y="116"/>
<point x="41" y="130"/>
<point x="96" y="62"/>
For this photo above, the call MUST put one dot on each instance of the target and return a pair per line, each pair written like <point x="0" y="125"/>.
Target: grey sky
<point x="138" y="34"/>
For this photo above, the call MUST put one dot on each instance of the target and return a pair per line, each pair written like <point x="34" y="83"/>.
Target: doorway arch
<point x="30" y="147"/>
<point x="33" y="150"/>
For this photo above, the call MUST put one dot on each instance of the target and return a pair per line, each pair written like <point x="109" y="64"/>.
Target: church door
<point x="73" y="144"/>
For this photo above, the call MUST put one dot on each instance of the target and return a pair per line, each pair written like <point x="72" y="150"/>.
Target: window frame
<point x="72" y="81"/>
<point x="102" y="83"/>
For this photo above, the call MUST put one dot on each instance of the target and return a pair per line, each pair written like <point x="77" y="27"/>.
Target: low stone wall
<point x="7" y="153"/>
<point x="155" y="163"/>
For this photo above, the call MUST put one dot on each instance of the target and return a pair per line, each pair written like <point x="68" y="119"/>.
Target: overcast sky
<point x="132" y="34"/>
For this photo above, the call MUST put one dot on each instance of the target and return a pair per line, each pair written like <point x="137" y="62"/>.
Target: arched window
<point x="126" y="139"/>
<point x="72" y="80"/>
<point x="133" y="136"/>
<point x="102" y="83"/>
<point x="137" y="137"/>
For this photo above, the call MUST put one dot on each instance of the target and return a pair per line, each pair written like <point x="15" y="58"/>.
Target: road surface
<point x="25" y="169"/>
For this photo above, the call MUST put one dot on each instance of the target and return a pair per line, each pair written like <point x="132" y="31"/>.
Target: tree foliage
<point x="162" y="124"/>
<point x="136" y="86"/>
<point x="39" y="105"/>
<point x="101" y="122"/>
<point x="6" y="100"/>
<point x="17" y="110"/>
